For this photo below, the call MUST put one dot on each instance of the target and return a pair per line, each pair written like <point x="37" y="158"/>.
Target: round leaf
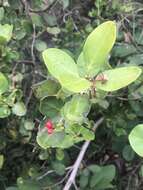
<point x="76" y="109"/>
<point x="29" y="125"/>
<point x="50" y="106"/>
<point x="136" y="139"/>
<point x="118" y="78"/>
<point x="128" y="153"/>
<point x="27" y="184"/>
<point x="52" y="140"/>
<point x="40" y="45"/>
<point x="46" y="88"/>
<point x="64" y="69"/>
<point x="19" y="109"/>
<point x="5" y="33"/>
<point x="4" y="111"/>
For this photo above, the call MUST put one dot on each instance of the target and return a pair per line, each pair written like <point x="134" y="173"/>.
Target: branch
<point x="51" y="171"/>
<point x="27" y="62"/>
<point x="79" y="159"/>
<point x="33" y="60"/>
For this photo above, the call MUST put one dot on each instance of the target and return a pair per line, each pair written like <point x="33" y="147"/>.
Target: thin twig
<point x="61" y="181"/>
<point x="75" y="186"/>
<point x="33" y="43"/>
<point x="34" y="63"/>
<point x="79" y="159"/>
<point x="27" y="62"/>
<point x="51" y="171"/>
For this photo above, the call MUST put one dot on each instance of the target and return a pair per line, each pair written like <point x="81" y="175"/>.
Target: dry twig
<point x="79" y="159"/>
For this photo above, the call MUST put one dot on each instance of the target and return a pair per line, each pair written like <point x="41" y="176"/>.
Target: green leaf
<point x="46" y="88"/>
<point x="27" y="184"/>
<point x="59" y="168"/>
<point x="50" y="106"/>
<point x="77" y="130"/>
<point x="136" y="59"/>
<point x="53" y="30"/>
<point x="1" y="13"/>
<point x="51" y="20"/>
<point x="29" y="125"/>
<point x="128" y="153"/>
<point x="76" y="109"/>
<point x="19" y="109"/>
<point x="58" y="139"/>
<point x="84" y="178"/>
<point x="53" y="140"/>
<point x="97" y="47"/>
<point x="81" y="64"/>
<point x="87" y="134"/>
<point x="3" y="83"/>
<point x="5" y="32"/>
<point x="136" y="139"/>
<point x="67" y="142"/>
<point x="94" y="168"/>
<point x="136" y="92"/>
<point x="65" y="3"/>
<point x="141" y="171"/>
<point x="64" y="69"/>
<point x="122" y="50"/>
<point x="103" y="177"/>
<point x="20" y="34"/>
<point x="118" y="78"/>
<point x="60" y="154"/>
<point x="4" y="111"/>
<point x="1" y="160"/>
<point x="83" y="181"/>
<point x="40" y="45"/>
<point x="43" y="155"/>
<point x="36" y="19"/>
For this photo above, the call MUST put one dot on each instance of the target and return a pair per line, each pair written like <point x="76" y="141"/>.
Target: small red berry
<point x="49" y="126"/>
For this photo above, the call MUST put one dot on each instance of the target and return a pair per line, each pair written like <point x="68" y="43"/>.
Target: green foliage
<point x="19" y="109"/>
<point x="3" y="84"/>
<point x="119" y="78"/>
<point x="1" y="160"/>
<point x="46" y="88"/>
<point x="63" y="68"/>
<point x="91" y="62"/>
<point x="75" y="110"/>
<point x="50" y="106"/>
<point x="5" y="33"/>
<point x="57" y="139"/>
<point x="27" y="184"/>
<point x="99" y="177"/>
<point x="136" y="139"/>
<point x="4" y="110"/>
<point x="128" y="153"/>
<point x="97" y="47"/>
<point x="103" y="177"/>
<point x="80" y="86"/>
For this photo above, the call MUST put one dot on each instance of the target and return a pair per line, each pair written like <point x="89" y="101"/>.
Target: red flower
<point x="49" y="126"/>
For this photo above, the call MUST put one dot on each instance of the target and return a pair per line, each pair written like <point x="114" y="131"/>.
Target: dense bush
<point x="60" y="80"/>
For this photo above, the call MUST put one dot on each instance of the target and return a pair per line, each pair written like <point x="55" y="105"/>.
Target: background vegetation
<point x="109" y="163"/>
